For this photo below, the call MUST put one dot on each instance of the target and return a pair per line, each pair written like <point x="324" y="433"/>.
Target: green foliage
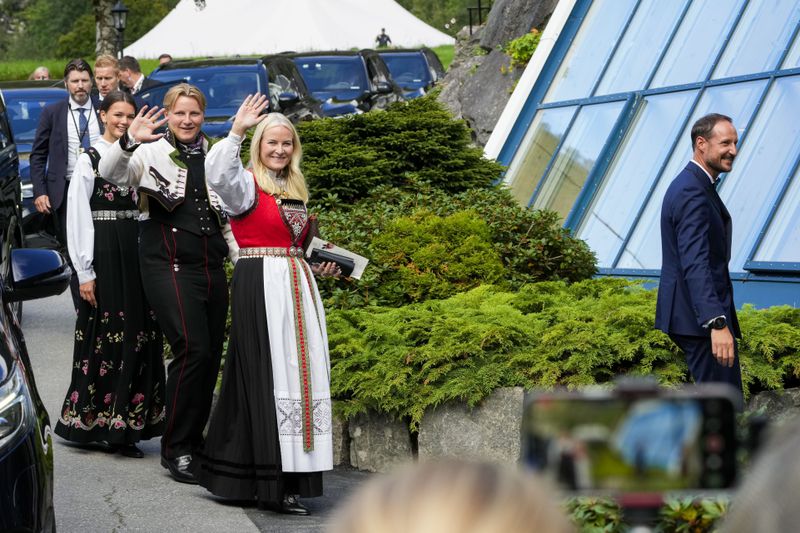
<point x="427" y="256"/>
<point x="403" y="361"/>
<point x="406" y="360"/>
<point x="445" y="53"/>
<point x="531" y="244"/>
<point x="769" y="350"/>
<point x="690" y="515"/>
<point x="413" y="141"/>
<point x="595" y="515"/>
<point x="440" y="13"/>
<point x="521" y="49"/>
<point x="678" y="515"/>
<point x="66" y="28"/>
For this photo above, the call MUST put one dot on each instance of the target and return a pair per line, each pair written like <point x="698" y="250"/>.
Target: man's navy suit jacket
<point x="48" y="159"/>
<point x="696" y="236"/>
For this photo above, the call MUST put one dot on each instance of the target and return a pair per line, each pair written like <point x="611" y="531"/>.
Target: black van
<point x="26" y="444"/>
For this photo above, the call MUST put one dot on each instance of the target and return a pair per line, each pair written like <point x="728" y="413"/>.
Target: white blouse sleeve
<point x="80" y="227"/>
<point x="228" y="178"/>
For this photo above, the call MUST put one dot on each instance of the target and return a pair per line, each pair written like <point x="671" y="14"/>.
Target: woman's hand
<point x="249" y="113"/>
<point x="87" y="292"/>
<point x="143" y="127"/>
<point x="326" y="270"/>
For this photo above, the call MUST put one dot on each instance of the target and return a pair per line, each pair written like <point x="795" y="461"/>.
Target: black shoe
<point x="130" y="450"/>
<point x="291" y="505"/>
<point x="179" y="468"/>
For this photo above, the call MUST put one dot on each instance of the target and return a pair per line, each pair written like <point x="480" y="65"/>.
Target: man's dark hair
<point x="117" y="96"/>
<point x="705" y="125"/>
<point x="164" y="56"/>
<point x="79" y="65"/>
<point x="129" y="63"/>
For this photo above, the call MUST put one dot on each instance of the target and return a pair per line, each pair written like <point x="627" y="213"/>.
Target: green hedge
<point x="531" y="245"/>
<point x="403" y="361"/>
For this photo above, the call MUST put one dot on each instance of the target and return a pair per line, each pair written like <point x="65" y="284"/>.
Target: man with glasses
<point x="66" y="129"/>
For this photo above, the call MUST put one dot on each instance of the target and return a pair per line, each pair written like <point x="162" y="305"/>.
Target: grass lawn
<point x="445" y="53"/>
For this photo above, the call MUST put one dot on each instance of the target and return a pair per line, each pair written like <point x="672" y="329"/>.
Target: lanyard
<point x="80" y="133"/>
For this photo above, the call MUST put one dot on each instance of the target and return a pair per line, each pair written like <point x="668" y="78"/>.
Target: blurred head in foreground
<point x="453" y="497"/>
<point x="767" y="499"/>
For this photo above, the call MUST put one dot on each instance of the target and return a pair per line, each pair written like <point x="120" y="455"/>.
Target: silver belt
<point x="110" y="214"/>
<point x="271" y="251"/>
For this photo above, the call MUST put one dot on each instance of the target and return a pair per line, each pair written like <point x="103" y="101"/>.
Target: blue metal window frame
<point x="763" y="270"/>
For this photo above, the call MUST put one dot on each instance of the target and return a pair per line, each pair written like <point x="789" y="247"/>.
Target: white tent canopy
<point x="259" y="27"/>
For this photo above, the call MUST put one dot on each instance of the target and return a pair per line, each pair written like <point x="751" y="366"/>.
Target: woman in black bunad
<point x="117" y="391"/>
<point x="183" y="241"/>
<point x="270" y="434"/>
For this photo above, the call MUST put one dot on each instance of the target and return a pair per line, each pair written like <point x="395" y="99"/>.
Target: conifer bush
<point x="403" y="361"/>
<point x="345" y="159"/>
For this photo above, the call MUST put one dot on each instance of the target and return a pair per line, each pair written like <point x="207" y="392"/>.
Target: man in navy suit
<point x="66" y="129"/>
<point x="695" y="296"/>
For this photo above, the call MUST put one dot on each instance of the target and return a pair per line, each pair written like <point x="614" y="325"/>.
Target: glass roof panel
<point x="590" y="50"/>
<point x="576" y="157"/>
<point x="641" y="46"/>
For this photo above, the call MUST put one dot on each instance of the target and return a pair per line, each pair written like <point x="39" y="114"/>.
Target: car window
<point x="410" y="71"/>
<point x="343" y="77"/>
<point x="225" y="88"/>
<point x="5" y="133"/>
<point x="25" y="108"/>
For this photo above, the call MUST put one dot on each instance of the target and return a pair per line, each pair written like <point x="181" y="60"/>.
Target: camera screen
<point x="632" y="445"/>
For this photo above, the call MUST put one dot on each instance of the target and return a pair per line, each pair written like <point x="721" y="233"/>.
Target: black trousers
<point x="184" y="281"/>
<point x="703" y="366"/>
<point x="58" y="218"/>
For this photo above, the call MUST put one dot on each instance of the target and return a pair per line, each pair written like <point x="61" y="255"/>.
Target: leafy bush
<point x="521" y="49"/>
<point x="406" y="360"/>
<point x="532" y="245"/>
<point x="427" y="256"/>
<point x="688" y="515"/>
<point x="595" y="515"/>
<point x="345" y="159"/>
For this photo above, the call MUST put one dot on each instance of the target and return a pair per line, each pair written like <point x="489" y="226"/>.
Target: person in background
<point x="130" y="74"/>
<point x="270" y="435"/>
<point x="40" y="73"/>
<point x="106" y="75"/>
<point x="382" y="39"/>
<point x="116" y="395"/>
<point x="66" y="129"/>
<point x="452" y="496"/>
<point x="163" y="59"/>
<point x="184" y="238"/>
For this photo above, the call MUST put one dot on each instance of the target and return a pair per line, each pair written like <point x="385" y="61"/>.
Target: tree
<point x="105" y="34"/>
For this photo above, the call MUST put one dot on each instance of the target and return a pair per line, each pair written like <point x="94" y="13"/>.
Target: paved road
<point x="99" y="492"/>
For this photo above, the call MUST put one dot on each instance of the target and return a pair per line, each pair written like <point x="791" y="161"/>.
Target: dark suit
<point x="48" y="167"/>
<point x="695" y="284"/>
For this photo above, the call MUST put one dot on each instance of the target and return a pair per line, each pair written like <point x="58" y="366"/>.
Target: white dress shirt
<point x="73" y="135"/>
<point x="80" y="226"/>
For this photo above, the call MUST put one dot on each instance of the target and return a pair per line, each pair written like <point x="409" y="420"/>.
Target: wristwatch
<point x="718" y="323"/>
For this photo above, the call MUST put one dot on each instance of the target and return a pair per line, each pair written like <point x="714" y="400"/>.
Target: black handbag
<point x="345" y="264"/>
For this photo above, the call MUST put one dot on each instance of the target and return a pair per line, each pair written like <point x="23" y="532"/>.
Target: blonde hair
<point x="106" y="60"/>
<point x="184" y="89"/>
<point x="452" y="496"/>
<point x="296" y="183"/>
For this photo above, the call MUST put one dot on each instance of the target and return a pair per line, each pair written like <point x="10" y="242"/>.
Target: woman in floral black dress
<point x="117" y="392"/>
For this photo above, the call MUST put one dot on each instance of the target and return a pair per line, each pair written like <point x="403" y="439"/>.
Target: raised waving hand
<point x="143" y="127"/>
<point x="249" y="113"/>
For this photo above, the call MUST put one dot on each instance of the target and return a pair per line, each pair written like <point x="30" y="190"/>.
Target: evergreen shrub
<point x="405" y="360"/>
<point x="531" y="244"/>
<point x="345" y="159"/>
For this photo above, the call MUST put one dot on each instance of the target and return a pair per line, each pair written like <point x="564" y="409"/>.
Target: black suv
<point x="26" y="444"/>
<point x="226" y="82"/>
<point x="348" y="82"/>
<point x="416" y="71"/>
